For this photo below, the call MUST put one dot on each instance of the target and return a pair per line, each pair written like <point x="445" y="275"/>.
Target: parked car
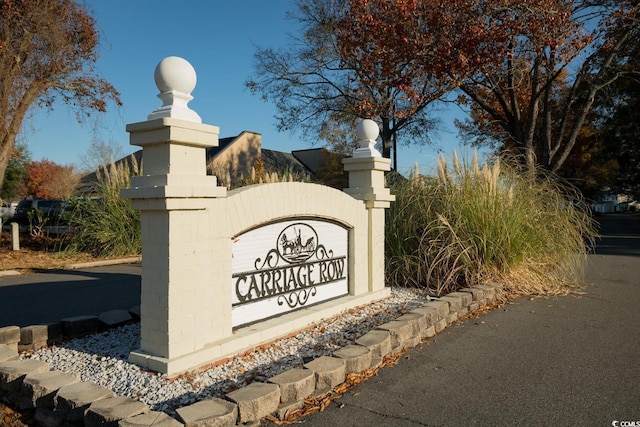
<point x="7" y="210"/>
<point x="34" y="211"/>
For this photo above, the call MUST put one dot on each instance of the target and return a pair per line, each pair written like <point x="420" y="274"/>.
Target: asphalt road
<point x="48" y="297"/>
<point x="565" y="361"/>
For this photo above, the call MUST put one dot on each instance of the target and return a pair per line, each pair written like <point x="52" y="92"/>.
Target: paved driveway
<point x="546" y="362"/>
<point x="48" y="297"/>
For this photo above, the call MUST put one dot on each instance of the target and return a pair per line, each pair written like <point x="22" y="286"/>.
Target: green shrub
<point x="104" y="224"/>
<point x="489" y="224"/>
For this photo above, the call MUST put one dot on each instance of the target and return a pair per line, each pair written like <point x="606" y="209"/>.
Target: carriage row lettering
<point x="256" y="285"/>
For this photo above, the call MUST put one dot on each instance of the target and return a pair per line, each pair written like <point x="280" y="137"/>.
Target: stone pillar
<point x="185" y="301"/>
<point x="366" y="182"/>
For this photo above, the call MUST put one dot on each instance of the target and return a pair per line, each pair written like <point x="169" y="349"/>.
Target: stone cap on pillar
<point x="175" y="79"/>
<point x="367" y="132"/>
<point x="167" y="129"/>
<point x="174" y="141"/>
<point x="367" y="167"/>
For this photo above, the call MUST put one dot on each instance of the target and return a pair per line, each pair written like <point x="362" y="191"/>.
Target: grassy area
<point x="105" y="224"/>
<point x="486" y="224"/>
<point x="471" y="224"/>
<point x="37" y="253"/>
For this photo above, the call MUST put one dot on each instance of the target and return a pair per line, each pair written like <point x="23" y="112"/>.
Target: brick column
<point x="185" y="301"/>
<point x="366" y="182"/>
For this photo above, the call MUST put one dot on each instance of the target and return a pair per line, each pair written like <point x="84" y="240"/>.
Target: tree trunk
<point x="5" y="149"/>
<point x="386" y="135"/>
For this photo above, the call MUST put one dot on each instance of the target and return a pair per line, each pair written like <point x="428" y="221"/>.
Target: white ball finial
<point x="175" y="73"/>
<point x="367" y="132"/>
<point x="175" y="79"/>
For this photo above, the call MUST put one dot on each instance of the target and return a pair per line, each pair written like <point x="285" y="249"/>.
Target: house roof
<point x="223" y="144"/>
<point x="92" y="177"/>
<point x="307" y="161"/>
<point x="279" y="160"/>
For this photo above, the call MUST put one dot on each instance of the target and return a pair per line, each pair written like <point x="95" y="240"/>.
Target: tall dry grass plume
<point x="491" y="223"/>
<point x="104" y="224"/>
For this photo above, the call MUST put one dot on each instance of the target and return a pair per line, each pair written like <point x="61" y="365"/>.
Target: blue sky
<point x="218" y="38"/>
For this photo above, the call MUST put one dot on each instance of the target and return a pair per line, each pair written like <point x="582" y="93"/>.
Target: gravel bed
<point x="102" y="358"/>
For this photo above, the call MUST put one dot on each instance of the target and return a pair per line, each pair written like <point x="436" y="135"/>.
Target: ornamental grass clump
<point x="486" y="224"/>
<point x="105" y="225"/>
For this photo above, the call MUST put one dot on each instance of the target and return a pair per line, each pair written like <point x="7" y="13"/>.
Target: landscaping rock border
<point x="60" y="400"/>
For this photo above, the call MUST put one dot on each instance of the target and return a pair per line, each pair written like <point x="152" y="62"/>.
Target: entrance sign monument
<point x="227" y="271"/>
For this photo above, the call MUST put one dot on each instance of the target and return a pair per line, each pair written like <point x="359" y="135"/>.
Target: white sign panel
<point x="287" y="265"/>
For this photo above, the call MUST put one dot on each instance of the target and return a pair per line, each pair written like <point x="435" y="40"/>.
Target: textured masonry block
<point x="430" y="314"/>
<point x="440" y="324"/>
<point x="71" y="401"/>
<point x="465" y="296"/>
<point x="55" y="333"/>
<point x="497" y="290"/>
<point x="12" y="373"/>
<point x="113" y="318"/>
<point x="451" y="317"/>
<point x="379" y="344"/>
<point x="286" y="408"/>
<point x="413" y="341"/>
<point x="441" y="307"/>
<point x="430" y="332"/>
<point x="107" y="412"/>
<point x="329" y="371"/>
<point x="33" y="337"/>
<point x="46" y="416"/>
<point x="356" y="358"/>
<point x="7" y="353"/>
<point x="152" y="418"/>
<point x="295" y="384"/>
<point x="210" y="412"/>
<point x="476" y="293"/>
<point x="455" y="302"/>
<point x="417" y="320"/>
<point x="78" y="326"/>
<point x="10" y="336"/>
<point x="40" y="387"/>
<point x="34" y="333"/>
<point x="400" y="333"/>
<point x="255" y="401"/>
<point x="490" y="292"/>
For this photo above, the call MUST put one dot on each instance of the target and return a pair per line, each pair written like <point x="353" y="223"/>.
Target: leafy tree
<point x="530" y="70"/>
<point x="621" y="134"/>
<point x="331" y="171"/>
<point x="47" y="52"/>
<point x="16" y="173"/>
<point x="530" y="101"/>
<point x="340" y="69"/>
<point x="48" y="180"/>
<point x="606" y="156"/>
<point x="590" y="167"/>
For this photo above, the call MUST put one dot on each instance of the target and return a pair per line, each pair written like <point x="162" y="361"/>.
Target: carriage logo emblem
<point x="297" y="243"/>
